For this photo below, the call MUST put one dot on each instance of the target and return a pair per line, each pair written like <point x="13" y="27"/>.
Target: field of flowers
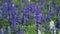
<point x="29" y="16"/>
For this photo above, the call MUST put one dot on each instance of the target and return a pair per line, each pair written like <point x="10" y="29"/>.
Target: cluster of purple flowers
<point x="24" y="12"/>
<point x="50" y="9"/>
<point x="31" y="9"/>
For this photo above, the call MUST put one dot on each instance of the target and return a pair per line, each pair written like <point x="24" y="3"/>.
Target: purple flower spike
<point x="12" y="20"/>
<point x="58" y="24"/>
<point x="31" y="7"/>
<point x="3" y="9"/>
<point x="13" y="9"/>
<point x="25" y="9"/>
<point x="50" y="9"/>
<point x="58" y="9"/>
<point x="36" y="9"/>
<point x="21" y="30"/>
<point x="25" y="12"/>
<point x="24" y="19"/>
<point x="39" y="17"/>
<point x="37" y="26"/>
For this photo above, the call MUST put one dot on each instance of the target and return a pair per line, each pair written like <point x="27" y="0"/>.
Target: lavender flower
<point x="13" y="17"/>
<point x="25" y="9"/>
<point x="58" y="23"/>
<point x="24" y="19"/>
<point x="31" y="10"/>
<point x="13" y="9"/>
<point x="21" y="30"/>
<point x="37" y="14"/>
<point x="25" y="12"/>
<point x="31" y="7"/>
<point x="50" y="9"/>
<point x="58" y="9"/>
<point x="53" y="31"/>
<point x="4" y="8"/>
<point x="12" y="13"/>
<point x="38" y="26"/>
<point x="38" y="17"/>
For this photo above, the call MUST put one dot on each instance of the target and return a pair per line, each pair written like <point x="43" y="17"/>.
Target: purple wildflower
<point x="50" y="9"/>
<point x="12" y="13"/>
<point x="31" y="10"/>
<point x="13" y="9"/>
<point x="37" y="26"/>
<point x="4" y="9"/>
<point x="25" y="9"/>
<point x="31" y="7"/>
<point x="21" y="30"/>
<point x="25" y="12"/>
<point x="53" y="31"/>
<point x="11" y="19"/>
<point x="58" y="9"/>
<point x="13" y="16"/>
<point x="58" y="23"/>
<point x="24" y="19"/>
<point x="38" y="17"/>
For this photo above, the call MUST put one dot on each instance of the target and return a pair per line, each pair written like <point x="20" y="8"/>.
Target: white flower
<point x="52" y="27"/>
<point x="52" y="24"/>
<point x="39" y="32"/>
<point x="29" y="0"/>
